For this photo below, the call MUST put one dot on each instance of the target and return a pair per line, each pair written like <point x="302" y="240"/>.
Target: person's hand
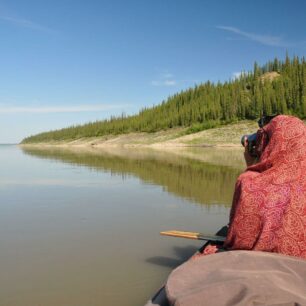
<point x="249" y="159"/>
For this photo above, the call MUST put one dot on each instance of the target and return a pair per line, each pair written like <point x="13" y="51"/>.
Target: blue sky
<point x="67" y="62"/>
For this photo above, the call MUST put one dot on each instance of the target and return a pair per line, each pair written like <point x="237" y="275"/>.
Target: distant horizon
<point x="119" y="57"/>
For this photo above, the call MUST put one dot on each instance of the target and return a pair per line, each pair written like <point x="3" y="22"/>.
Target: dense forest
<point x="276" y="87"/>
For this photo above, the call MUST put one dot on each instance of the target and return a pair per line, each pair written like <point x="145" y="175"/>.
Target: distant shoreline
<point x="224" y="136"/>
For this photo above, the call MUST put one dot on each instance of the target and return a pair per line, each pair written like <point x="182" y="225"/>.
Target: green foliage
<point x="208" y="105"/>
<point x="197" y="127"/>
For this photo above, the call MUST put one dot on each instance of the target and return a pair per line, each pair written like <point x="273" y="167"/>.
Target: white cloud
<point x="167" y="75"/>
<point x="168" y="79"/>
<point x="169" y="83"/>
<point x="237" y="75"/>
<point x="164" y="83"/>
<point x="58" y="109"/>
<point x="190" y="81"/>
<point x="268" y="40"/>
<point x="25" y="23"/>
<point x="164" y="78"/>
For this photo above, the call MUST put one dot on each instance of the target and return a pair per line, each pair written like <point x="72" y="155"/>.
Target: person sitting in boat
<point x="269" y="204"/>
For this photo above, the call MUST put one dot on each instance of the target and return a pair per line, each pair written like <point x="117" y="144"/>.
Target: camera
<point x="252" y="138"/>
<point x="251" y="143"/>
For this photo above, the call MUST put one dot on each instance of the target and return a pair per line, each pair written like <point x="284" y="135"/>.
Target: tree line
<point x="276" y="87"/>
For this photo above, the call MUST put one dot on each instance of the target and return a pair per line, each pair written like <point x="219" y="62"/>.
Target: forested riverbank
<point x="226" y="135"/>
<point x="276" y="87"/>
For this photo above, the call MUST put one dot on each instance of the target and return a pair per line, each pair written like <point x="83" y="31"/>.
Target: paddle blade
<point x="189" y="235"/>
<point x="192" y="235"/>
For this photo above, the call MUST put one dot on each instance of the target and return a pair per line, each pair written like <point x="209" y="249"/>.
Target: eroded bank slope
<point x="228" y="135"/>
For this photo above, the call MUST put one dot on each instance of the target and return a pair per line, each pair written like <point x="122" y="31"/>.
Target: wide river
<point x="81" y="227"/>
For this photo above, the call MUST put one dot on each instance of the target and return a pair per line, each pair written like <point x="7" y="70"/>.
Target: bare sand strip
<point x="224" y="136"/>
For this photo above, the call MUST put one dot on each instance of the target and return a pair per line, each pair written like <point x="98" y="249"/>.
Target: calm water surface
<point x="81" y="227"/>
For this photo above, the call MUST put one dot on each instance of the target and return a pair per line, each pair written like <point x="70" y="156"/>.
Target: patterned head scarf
<point x="269" y="204"/>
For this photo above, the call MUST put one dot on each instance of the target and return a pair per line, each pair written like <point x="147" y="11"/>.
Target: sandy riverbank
<point x="224" y="136"/>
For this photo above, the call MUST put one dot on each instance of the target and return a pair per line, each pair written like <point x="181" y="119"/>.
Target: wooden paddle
<point x="192" y="235"/>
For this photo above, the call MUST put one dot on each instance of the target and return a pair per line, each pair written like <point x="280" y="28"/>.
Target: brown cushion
<point x="239" y="278"/>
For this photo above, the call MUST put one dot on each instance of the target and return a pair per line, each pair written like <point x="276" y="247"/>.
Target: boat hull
<point x="160" y="297"/>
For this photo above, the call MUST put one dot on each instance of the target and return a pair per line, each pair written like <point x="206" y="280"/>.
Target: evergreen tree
<point x="208" y="104"/>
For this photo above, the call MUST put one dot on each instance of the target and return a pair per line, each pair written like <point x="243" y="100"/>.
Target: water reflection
<point x="81" y="226"/>
<point x="206" y="176"/>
